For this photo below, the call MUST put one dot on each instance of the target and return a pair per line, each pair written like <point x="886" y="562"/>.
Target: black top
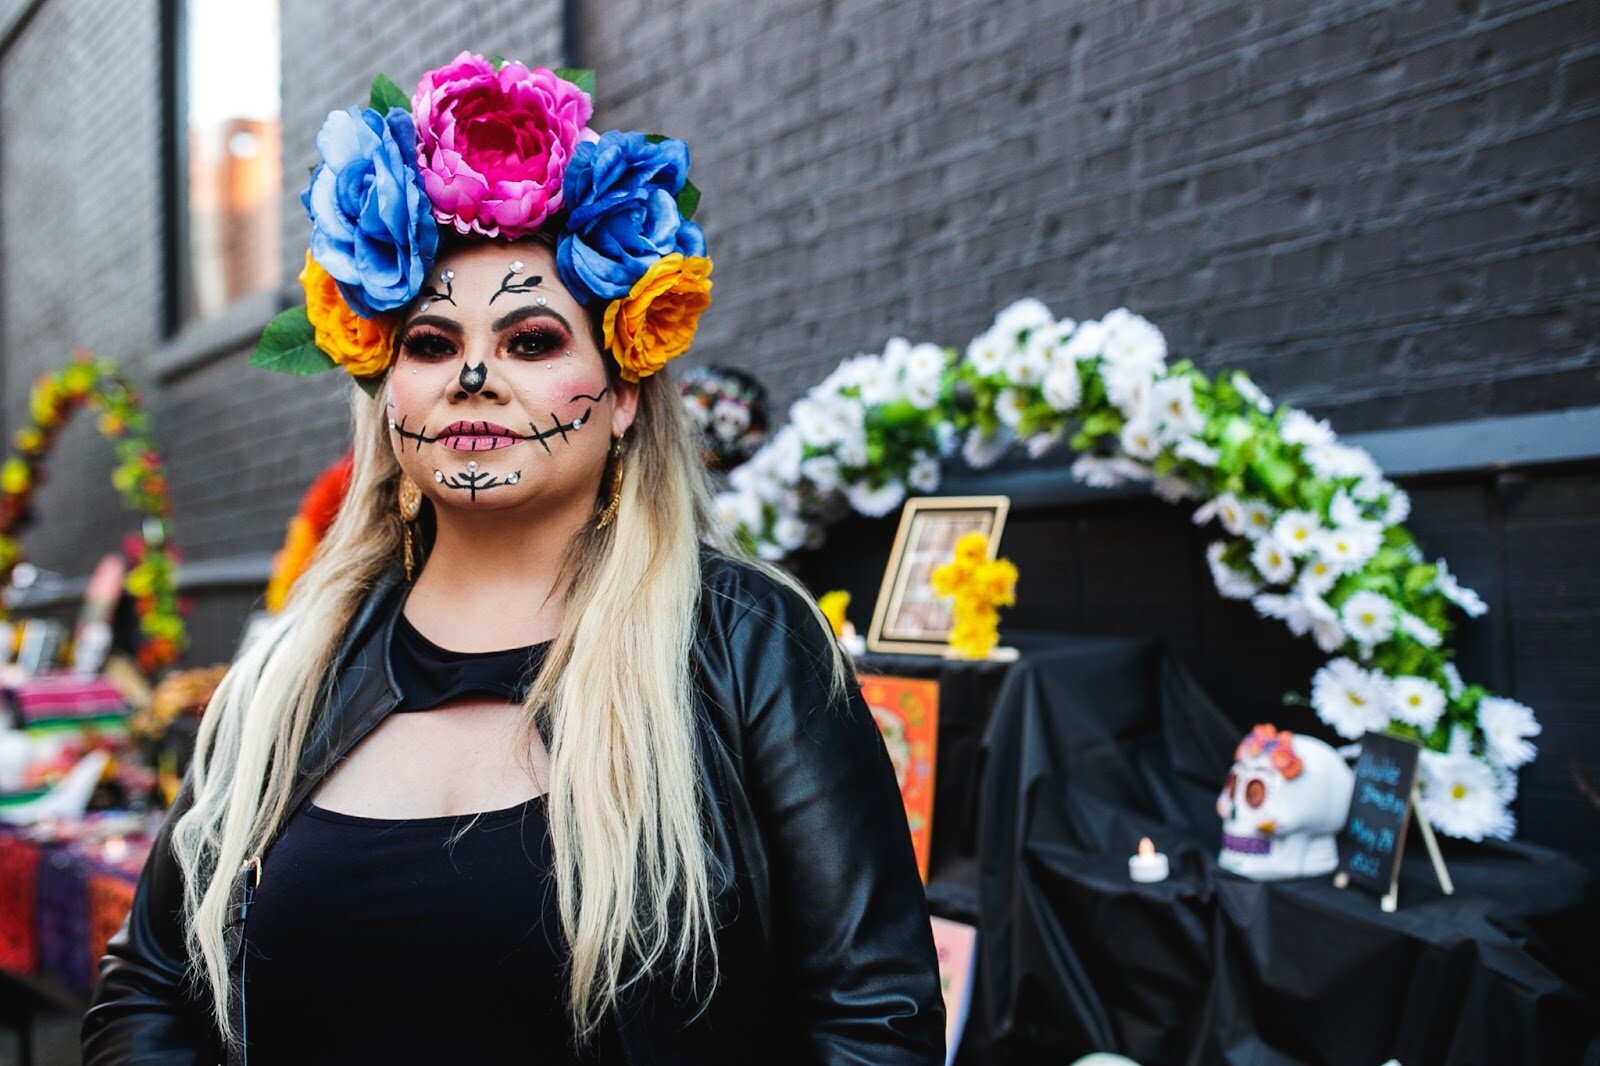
<point x="429" y="675"/>
<point x="378" y="940"/>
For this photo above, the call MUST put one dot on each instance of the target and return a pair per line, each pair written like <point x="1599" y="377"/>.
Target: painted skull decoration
<point x="1285" y="799"/>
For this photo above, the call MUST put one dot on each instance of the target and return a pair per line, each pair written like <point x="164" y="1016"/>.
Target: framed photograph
<point x="910" y="617"/>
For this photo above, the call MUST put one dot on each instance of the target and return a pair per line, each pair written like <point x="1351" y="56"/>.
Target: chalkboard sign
<point x="1374" y="834"/>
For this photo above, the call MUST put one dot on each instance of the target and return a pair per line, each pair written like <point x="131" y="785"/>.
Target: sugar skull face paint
<point x="500" y="395"/>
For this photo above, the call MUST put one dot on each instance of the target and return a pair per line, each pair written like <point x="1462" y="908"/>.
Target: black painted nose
<point x="473" y="377"/>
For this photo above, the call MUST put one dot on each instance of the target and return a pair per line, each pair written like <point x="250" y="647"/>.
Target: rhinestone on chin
<point x="438" y="475"/>
<point x="472" y="467"/>
<point x="513" y="477"/>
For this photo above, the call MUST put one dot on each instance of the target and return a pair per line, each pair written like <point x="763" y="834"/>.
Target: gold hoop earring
<point x="616" y="486"/>
<point x="410" y="499"/>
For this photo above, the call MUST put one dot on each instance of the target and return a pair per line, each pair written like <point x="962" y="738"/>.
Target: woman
<point x="641" y="815"/>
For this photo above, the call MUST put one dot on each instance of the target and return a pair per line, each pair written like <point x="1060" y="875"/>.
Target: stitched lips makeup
<point x="477" y="436"/>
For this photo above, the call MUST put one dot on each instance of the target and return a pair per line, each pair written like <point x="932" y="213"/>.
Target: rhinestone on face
<point x="472" y="468"/>
<point x="541" y="301"/>
<point x="516" y="266"/>
<point x="423" y="306"/>
<point x="449" y="275"/>
<point x="392" y="425"/>
<point x="512" y="478"/>
<point x="576" y="422"/>
<point x="438" y="475"/>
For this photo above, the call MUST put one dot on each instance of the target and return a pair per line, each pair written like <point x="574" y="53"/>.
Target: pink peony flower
<point x="492" y="145"/>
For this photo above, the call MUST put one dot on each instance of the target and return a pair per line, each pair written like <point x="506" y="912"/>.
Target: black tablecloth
<point x="1095" y="743"/>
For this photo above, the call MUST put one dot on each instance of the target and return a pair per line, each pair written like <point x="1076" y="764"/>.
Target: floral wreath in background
<point x="1312" y="532"/>
<point x="152" y="579"/>
<point x="491" y="148"/>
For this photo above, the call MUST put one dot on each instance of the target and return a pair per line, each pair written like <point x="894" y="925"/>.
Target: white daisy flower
<point x="1098" y="473"/>
<point x="922" y="391"/>
<point x="1251" y="392"/>
<point x="1086" y="342"/>
<point x="789" y="532"/>
<point x="1301" y="428"/>
<point x="1128" y="386"/>
<point x="1226" y="509"/>
<point x="1338" y="461"/>
<point x="1352" y="701"/>
<point x="1025" y="314"/>
<point x="1416" y="701"/>
<point x="924" y="474"/>
<point x="982" y="449"/>
<point x="1272" y="561"/>
<point x="876" y="502"/>
<point x="823" y="473"/>
<point x="853" y="452"/>
<point x="1298" y="532"/>
<point x="736" y="510"/>
<point x="1132" y="340"/>
<point x="926" y="360"/>
<point x="1197" y="451"/>
<point x="1304" y="612"/>
<point x="1256" y="519"/>
<point x="1062" y="389"/>
<point x="1139" y="439"/>
<point x="770" y="550"/>
<point x="1317" y="575"/>
<point x="1009" y="407"/>
<point x="1369" y="618"/>
<point x="1457" y="593"/>
<point x="1349" y="547"/>
<point x="783" y="453"/>
<point x="810" y="419"/>
<point x="1345" y="511"/>
<point x="1231" y="583"/>
<point x="987" y="353"/>
<point x="1028" y="366"/>
<point x="948" y="439"/>
<point x="1506" y="725"/>
<point x="1461" y="796"/>
<point x="1172" y="401"/>
<point x="1419" y="631"/>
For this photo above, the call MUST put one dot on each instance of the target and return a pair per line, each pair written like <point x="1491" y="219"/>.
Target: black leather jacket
<point x="824" y="945"/>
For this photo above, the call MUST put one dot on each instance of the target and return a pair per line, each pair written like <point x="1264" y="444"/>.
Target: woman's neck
<point x="488" y="577"/>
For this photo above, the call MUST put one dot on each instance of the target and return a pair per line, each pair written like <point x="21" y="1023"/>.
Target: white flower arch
<point x="1311" y="532"/>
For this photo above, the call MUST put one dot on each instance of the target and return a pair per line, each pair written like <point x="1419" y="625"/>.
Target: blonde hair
<point x="615" y="695"/>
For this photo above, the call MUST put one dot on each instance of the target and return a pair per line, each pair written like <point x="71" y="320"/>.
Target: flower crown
<point x="1276" y="744"/>
<point x="496" y="149"/>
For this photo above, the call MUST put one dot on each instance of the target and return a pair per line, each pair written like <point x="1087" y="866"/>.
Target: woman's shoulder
<point x="733" y="589"/>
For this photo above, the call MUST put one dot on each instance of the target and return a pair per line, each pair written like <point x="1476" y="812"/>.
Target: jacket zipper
<point x="251" y="868"/>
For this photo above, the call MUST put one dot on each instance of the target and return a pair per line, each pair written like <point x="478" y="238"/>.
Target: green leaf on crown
<point x="386" y="94"/>
<point x="370" y="385"/>
<point x="289" y="346"/>
<point x="582" y="77"/>
<point x="497" y="61"/>
<point x="688" y="199"/>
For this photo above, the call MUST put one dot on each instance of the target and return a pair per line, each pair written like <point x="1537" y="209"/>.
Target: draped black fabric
<point x="1096" y="743"/>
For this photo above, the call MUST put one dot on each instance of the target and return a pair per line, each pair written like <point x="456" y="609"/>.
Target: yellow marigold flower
<point x="656" y="321"/>
<point x="997" y="582"/>
<point x="111" y="424"/>
<point x="833" y="606"/>
<point x="946" y="579"/>
<point x="42" y="403"/>
<point x="29" y="440"/>
<point x="363" y="346"/>
<point x="15" y="477"/>
<point x="77" y="379"/>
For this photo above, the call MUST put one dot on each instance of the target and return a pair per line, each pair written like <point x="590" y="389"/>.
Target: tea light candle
<point x="1149" y="865"/>
<point x="116" y="849"/>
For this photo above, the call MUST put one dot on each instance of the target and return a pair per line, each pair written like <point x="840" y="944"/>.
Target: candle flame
<point x="1146" y="848"/>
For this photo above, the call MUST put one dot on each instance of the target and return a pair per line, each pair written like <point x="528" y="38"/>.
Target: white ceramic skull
<point x="730" y="420"/>
<point x="1285" y="799"/>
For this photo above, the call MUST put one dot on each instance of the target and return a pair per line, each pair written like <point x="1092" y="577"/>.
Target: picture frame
<point x="909" y="617"/>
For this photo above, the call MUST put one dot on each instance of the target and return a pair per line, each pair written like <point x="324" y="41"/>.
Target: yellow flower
<point x="42" y="403"/>
<point x="111" y="424"/>
<point x="655" y="322"/>
<point x="833" y="606"/>
<point x="77" y="379"/>
<point x="997" y="582"/>
<point x="972" y="548"/>
<point x="29" y="440"/>
<point x="291" y="561"/>
<point x="14" y="477"/>
<point x="363" y="346"/>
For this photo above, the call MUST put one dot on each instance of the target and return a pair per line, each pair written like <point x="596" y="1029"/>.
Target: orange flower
<point x="363" y="346"/>
<point x="291" y="561"/>
<point x="655" y="322"/>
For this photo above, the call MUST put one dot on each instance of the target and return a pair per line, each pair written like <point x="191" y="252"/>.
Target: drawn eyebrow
<point x="511" y="318"/>
<point x="586" y="396"/>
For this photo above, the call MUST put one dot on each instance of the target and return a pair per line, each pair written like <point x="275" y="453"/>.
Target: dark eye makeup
<point x="531" y="342"/>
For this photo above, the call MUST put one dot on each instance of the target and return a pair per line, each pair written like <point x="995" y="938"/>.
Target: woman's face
<point x="498" y="396"/>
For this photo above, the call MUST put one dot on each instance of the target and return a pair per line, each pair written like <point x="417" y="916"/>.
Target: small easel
<point x="1391" y="899"/>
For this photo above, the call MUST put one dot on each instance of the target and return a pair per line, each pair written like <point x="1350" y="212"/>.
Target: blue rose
<point x="372" y="226"/>
<point x="622" y="198"/>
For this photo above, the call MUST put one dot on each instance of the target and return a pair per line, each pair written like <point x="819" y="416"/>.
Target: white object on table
<point x="1149" y="864"/>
